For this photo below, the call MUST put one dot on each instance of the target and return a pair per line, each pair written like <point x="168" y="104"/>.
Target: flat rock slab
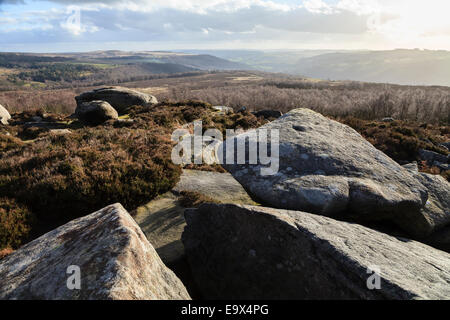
<point x="219" y="186"/>
<point x="162" y="222"/>
<point x="328" y="168"/>
<point x="115" y="260"/>
<point x="247" y="252"/>
<point x="162" y="219"/>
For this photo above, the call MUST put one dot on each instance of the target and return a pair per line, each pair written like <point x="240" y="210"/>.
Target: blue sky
<point x="62" y="25"/>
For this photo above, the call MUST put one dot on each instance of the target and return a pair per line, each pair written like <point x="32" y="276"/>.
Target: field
<point x="258" y="90"/>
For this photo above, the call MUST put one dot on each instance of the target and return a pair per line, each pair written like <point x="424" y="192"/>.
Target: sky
<point x="87" y="25"/>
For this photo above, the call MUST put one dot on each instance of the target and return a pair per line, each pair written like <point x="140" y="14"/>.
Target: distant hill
<point x="269" y="60"/>
<point x="411" y="67"/>
<point x="26" y="70"/>
<point x="196" y="61"/>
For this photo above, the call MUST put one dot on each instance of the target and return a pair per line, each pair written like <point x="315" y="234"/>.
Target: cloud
<point x="198" y="16"/>
<point x="223" y="21"/>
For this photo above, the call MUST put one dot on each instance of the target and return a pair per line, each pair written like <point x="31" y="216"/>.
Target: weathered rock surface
<point x="216" y="185"/>
<point x="266" y="114"/>
<point x="60" y="131"/>
<point x="4" y="115"/>
<point x="431" y="157"/>
<point x="95" y="112"/>
<point x="437" y="207"/>
<point x="446" y="145"/>
<point x="162" y="219"/>
<point x="412" y="167"/>
<point x="118" y="97"/>
<point x="116" y="261"/>
<point x="223" y="109"/>
<point x="442" y="166"/>
<point x="244" y="252"/>
<point x="328" y="168"/>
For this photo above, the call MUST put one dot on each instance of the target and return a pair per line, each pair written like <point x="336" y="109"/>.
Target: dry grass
<point x="67" y="176"/>
<point x="191" y="199"/>
<point x="61" y="177"/>
<point x="56" y="101"/>
<point x="15" y="223"/>
<point x="5" y="252"/>
<point x="257" y="91"/>
<point x="402" y="140"/>
<point x="431" y="105"/>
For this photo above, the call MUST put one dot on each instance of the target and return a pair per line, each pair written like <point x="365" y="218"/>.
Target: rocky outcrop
<point x="446" y="145"/>
<point x="106" y="249"/>
<point x="162" y="219"/>
<point x="437" y="207"/>
<point x="223" y="109"/>
<point x="118" y="97"/>
<point x="412" y="167"/>
<point x="4" y="115"/>
<point x="245" y="252"/>
<point x="95" y="112"/>
<point x="267" y="114"/>
<point x="328" y="168"/>
<point x="432" y="157"/>
<point x="216" y="185"/>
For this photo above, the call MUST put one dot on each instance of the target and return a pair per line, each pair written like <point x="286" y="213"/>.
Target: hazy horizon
<point x="188" y="50"/>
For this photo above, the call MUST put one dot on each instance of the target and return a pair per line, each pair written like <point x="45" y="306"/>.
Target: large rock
<point x="115" y="261"/>
<point x="267" y="114"/>
<point x="95" y="112"/>
<point x="437" y="207"/>
<point x="162" y="219"/>
<point x="430" y="157"/>
<point x="4" y="115"/>
<point x="412" y="167"/>
<point x="223" y="109"/>
<point x="216" y="185"/>
<point x="120" y="98"/>
<point x="446" y="145"/>
<point x="245" y="252"/>
<point x="328" y="168"/>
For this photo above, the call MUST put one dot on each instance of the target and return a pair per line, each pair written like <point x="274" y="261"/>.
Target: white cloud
<point x="373" y="23"/>
<point x="318" y="6"/>
<point x="406" y="22"/>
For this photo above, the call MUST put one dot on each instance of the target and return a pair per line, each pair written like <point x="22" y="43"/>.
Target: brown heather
<point x="192" y="199"/>
<point x="15" y="225"/>
<point x="5" y="252"/>
<point x="61" y="177"/>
